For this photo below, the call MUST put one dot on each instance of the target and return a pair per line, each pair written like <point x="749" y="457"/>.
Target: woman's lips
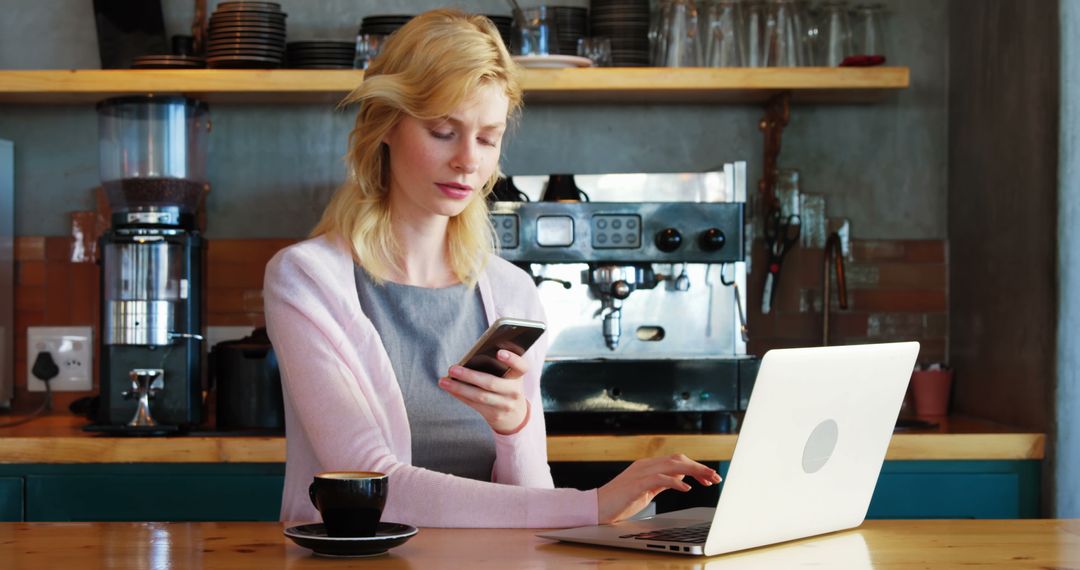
<point x="455" y="191"/>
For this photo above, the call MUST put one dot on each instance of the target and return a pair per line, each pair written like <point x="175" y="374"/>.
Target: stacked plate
<point x="246" y="35"/>
<point x="382" y="25"/>
<point x="168" y="62"/>
<point x="319" y="55"/>
<point x="626" y="22"/>
<point x="570" y="24"/>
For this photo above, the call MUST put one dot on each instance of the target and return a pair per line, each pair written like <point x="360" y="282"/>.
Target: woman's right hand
<point x="634" y="488"/>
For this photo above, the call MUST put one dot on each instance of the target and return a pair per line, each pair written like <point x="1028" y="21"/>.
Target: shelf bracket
<point x="777" y="113"/>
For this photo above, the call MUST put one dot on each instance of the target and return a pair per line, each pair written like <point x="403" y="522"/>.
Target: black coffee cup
<point x="351" y="502"/>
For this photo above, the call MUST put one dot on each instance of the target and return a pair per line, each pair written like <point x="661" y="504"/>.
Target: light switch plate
<point x="72" y="349"/>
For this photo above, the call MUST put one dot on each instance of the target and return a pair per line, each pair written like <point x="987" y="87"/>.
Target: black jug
<point x="245" y="373"/>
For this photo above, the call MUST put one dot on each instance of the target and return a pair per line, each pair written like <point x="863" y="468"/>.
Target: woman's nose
<point x="467" y="158"/>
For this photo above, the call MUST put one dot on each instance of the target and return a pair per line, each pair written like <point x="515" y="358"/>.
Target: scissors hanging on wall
<point x="781" y="234"/>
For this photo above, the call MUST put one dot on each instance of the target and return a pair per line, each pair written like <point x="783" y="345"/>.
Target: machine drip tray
<point x="631" y="423"/>
<point x="140" y="431"/>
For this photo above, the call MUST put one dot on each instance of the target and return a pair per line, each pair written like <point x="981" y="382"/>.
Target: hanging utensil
<point x="781" y="234"/>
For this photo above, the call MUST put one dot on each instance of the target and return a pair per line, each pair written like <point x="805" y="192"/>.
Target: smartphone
<point x="515" y="335"/>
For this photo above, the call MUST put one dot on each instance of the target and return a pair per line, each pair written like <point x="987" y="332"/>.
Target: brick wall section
<point x="234" y="276"/>
<point x="53" y="290"/>
<point x="50" y="290"/>
<point x="897" y="290"/>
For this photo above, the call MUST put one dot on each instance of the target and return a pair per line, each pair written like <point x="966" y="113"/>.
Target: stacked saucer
<point x="246" y="35"/>
<point x="571" y="23"/>
<point x="168" y="62"/>
<point x="626" y="22"/>
<point x="319" y="55"/>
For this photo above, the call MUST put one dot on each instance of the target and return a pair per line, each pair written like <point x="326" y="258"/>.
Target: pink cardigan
<point x="344" y="409"/>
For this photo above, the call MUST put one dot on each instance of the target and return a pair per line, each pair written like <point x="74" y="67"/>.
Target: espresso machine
<point x="153" y="169"/>
<point x="643" y="280"/>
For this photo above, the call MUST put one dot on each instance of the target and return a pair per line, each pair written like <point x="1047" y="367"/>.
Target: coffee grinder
<point x="153" y="170"/>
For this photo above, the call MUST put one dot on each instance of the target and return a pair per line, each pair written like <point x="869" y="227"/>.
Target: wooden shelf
<point x="626" y="85"/>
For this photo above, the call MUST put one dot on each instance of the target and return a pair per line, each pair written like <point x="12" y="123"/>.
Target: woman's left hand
<point x="501" y="401"/>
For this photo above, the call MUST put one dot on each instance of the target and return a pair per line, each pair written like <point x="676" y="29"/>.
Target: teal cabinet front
<point x="957" y="490"/>
<point x="11" y="499"/>
<point x="154" y="492"/>
<point x="252" y="492"/>
<point x="905" y="489"/>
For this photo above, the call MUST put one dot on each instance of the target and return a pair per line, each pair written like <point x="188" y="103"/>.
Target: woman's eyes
<point x="447" y="135"/>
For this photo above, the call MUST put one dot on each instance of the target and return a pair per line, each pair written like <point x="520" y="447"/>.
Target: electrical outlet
<point x="72" y="349"/>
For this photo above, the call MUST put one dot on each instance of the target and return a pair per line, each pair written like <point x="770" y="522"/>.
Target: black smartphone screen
<point x="515" y="337"/>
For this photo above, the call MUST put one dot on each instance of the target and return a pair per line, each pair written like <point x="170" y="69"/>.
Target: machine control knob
<point x="712" y="239"/>
<point x="668" y="240"/>
<point x="620" y="289"/>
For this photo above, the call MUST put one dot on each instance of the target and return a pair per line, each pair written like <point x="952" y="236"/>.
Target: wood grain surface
<point x="223" y="546"/>
<point x="1003" y="316"/>
<point x="59" y="439"/>
<point x="551" y="85"/>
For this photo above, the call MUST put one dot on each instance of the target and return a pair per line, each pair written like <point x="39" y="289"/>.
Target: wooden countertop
<point x="59" y="439"/>
<point x="877" y="544"/>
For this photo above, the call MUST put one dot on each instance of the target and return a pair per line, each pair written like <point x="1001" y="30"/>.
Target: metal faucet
<point x="612" y="284"/>
<point x="832" y="249"/>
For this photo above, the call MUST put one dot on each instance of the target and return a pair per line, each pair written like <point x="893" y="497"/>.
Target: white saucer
<point x="551" y="61"/>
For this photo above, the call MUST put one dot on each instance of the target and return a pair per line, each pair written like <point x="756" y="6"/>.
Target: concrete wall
<point x="1067" y="436"/>
<point x="883" y="165"/>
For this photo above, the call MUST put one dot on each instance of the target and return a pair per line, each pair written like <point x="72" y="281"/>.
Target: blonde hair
<point x="426" y="69"/>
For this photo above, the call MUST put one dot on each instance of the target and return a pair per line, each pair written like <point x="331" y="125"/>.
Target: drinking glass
<point x="597" y="49"/>
<point x="367" y="47"/>
<point x="656" y="33"/>
<point x="679" y="43"/>
<point x="807" y="16"/>
<point x="540" y="34"/>
<point x="867" y="30"/>
<point x="783" y="43"/>
<point x="757" y="16"/>
<point x="835" y="44"/>
<point x="723" y="41"/>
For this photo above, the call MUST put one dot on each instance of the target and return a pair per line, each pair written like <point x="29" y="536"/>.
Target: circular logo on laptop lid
<point x="819" y="446"/>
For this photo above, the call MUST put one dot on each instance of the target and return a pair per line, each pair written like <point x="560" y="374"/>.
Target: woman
<point x="396" y="284"/>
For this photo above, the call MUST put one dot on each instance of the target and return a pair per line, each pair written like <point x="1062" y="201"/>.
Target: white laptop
<point x="806" y="462"/>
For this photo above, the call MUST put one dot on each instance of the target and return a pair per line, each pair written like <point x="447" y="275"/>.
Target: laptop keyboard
<point x="694" y="533"/>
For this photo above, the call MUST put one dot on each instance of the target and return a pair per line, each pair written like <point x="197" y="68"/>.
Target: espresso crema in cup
<point x="350" y="475"/>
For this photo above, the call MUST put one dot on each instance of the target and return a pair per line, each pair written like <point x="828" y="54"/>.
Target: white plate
<point x="552" y="61"/>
